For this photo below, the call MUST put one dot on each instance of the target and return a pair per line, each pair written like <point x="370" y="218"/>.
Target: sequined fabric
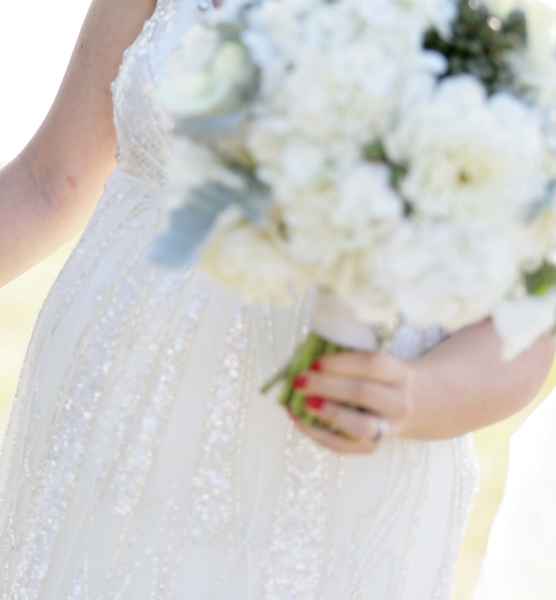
<point x="141" y="463"/>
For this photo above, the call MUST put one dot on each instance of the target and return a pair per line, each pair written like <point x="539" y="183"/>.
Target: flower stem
<point x="310" y="350"/>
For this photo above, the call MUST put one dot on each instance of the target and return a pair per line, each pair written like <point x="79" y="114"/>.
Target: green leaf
<point x="541" y="281"/>
<point x="481" y="44"/>
<point x="375" y="152"/>
<point x="398" y="172"/>
<point x="208" y="127"/>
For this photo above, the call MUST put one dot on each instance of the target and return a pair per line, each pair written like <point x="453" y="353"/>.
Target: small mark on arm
<point x="71" y="181"/>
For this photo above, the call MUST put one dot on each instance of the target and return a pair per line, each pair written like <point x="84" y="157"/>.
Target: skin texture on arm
<point x="49" y="191"/>
<point x="464" y="385"/>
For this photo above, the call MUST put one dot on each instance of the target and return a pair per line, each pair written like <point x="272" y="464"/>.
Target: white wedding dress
<point x="141" y="463"/>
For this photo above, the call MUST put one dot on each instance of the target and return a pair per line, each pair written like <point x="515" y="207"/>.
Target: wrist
<point x="427" y="420"/>
<point x="411" y="428"/>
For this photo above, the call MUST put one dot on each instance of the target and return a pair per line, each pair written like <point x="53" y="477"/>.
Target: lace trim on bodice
<point x="142" y="129"/>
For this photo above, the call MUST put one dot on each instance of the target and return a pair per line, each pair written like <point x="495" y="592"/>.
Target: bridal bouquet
<point x="396" y="158"/>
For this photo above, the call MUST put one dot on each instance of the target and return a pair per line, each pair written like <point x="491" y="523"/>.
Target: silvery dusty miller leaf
<point x="208" y="127"/>
<point x="192" y="223"/>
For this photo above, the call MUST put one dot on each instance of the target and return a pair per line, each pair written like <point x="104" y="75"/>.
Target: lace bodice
<point x="143" y="143"/>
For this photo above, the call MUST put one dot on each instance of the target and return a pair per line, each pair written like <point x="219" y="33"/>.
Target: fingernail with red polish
<point x="300" y="382"/>
<point x="317" y="366"/>
<point x="316" y="403"/>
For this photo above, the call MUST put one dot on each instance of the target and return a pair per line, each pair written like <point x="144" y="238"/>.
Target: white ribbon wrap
<point x="333" y="321"/>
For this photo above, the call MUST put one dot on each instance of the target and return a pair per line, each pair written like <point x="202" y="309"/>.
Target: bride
<point x="140" y="461"/>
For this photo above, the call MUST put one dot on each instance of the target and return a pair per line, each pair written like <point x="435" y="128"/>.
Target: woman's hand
<point x="459" y="386"/>
<point x="353" y="392"/>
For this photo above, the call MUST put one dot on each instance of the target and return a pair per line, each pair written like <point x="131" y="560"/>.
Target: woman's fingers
<point x="334" y="442"/>
<point x="378" y="366"/>
<point x="358" y="425"/>
<point x="372" y="396"/>
<point x="352" y="392"/>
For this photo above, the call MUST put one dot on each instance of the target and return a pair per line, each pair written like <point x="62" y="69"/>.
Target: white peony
<point x="521" y="322"/>
<point x="446" y="274"/>
<point x="469" y="156"/>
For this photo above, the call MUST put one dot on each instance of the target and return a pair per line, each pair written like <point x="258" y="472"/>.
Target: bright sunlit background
<point x="36" y="40"/>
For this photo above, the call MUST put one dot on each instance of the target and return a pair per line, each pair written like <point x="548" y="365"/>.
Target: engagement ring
<point x="382" y="430"/>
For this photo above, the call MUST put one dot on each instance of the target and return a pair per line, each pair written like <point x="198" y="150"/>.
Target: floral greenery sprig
<point x="542" y="281"/>
<point x="480" y="44"/>
<point x="310" y="350"/>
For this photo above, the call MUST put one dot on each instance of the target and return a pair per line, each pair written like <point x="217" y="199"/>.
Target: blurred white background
<point x="36" y="40"/>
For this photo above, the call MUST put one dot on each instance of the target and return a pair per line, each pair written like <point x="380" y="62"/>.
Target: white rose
<point x="446" y="274"/>
<point x="212" y="77"/>
<point x="249" y="262"/>
<point x="469" y="156"/>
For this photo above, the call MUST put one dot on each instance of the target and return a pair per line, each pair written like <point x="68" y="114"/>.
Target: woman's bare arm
<point x="463" y="384"/>
<point x="48" y="192"/>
